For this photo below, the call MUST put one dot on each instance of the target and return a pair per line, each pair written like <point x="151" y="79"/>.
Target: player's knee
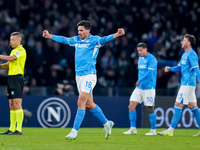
<point x="11" y="107"/>
<point x="150" y="109"/>
<point x="179" y="104"/>
<point x="131" y="107"/>
<point x="81" y="104"/>
<point x="90" y="106"/>
<point x="191" y="105"/>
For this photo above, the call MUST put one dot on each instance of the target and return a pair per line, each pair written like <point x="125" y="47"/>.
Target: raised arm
<point x="47" y="35"/>
<point x="59" y="39"/>
<point x="120" y="32"/>
<point x="106" y="39"/>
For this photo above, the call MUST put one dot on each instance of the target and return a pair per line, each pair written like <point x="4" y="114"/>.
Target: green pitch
<point x="93" y="139"/>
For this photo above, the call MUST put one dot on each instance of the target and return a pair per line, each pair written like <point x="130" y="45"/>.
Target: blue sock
<point x="176" y="117"/>
<point x="196" y="114"/>
<point x="97" y="112"/>
<point x="152" y="118"/>
<point x="78" y="119"/>
<point x="132" y="118"/>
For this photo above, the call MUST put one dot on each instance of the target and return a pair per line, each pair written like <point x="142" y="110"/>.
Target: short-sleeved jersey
<point x="17" y="66"/>
<point x="86" y="51"/>
<point x="145" y="64"/>
<point x="188" y="62"/>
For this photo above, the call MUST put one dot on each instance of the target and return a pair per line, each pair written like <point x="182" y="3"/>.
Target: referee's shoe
<point x="7" y="132"/>
<point x="16" y="133"/>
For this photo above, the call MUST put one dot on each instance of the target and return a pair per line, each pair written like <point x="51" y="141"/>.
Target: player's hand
<point x="167" y="69"/>
<point x="120" y="31"/>
<point x="137" y="84"/>
<point x="46" y="34"/>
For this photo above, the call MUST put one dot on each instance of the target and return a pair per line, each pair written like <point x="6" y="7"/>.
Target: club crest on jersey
<point x="12" y="92"/>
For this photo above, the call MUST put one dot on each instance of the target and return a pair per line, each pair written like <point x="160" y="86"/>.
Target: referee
<point x="15" y="65"/>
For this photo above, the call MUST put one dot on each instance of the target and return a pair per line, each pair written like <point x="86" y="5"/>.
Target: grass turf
<point x="93" y="138"/>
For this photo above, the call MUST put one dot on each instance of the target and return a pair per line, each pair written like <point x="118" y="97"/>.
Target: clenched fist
<point x="46" y="34"/>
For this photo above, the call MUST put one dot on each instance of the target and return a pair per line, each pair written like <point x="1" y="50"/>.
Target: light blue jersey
<point x="188" y="62"/>
<point x="86" y="51"/>
<point x="147" y="72"/>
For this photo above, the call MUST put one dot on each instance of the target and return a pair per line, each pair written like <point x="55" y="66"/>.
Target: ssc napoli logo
<point x="53" y="112"/>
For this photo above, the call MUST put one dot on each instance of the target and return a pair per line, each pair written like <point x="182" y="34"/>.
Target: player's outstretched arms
<point x="120" y="32"/>
<point x="167" y="68"/>
<point x="47" y="35"/>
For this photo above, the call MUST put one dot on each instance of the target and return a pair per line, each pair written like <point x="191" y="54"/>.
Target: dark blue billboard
<point x="41" y="111"/>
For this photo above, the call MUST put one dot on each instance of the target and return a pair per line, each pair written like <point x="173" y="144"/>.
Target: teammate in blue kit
<point x="145" y="89"/>
<point x="86" y="51"/>
<point x="189" y="68"/>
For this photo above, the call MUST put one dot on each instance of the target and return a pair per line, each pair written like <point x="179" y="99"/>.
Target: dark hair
<point x="85" y="24"/>
<point x="190" y="38"/>
<point x="16" y="34"/>
<point x="142" y="44"/>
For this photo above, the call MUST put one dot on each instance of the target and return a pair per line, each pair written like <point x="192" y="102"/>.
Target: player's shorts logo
<point x="12" y="92"/>
<point x="53" y="112"/>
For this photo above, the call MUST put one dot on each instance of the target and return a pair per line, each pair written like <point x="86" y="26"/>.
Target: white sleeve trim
<point x="69" y="43"/>
<point x="194" y="67"/>
<point x="95" y="49"/>
<point x="99" y="43"/>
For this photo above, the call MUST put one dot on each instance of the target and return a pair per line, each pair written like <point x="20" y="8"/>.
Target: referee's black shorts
<point x="15" y="86"/>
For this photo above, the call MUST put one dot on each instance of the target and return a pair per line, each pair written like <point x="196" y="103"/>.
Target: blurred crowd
<point x="159" y="23"/>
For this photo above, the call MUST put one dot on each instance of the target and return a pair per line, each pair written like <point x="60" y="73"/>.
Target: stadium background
<point x="50" y="66"/>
